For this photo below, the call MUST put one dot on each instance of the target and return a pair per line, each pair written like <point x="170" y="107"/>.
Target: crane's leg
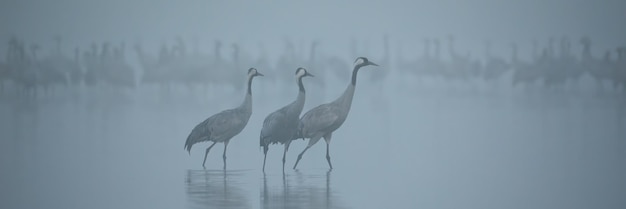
<point x="224" y="155"/>
<point x="265" y="148"/>
<point x="312" y="141"/>
<point x="285" y="153"/>
<point x="207" y="153"/>
<point x="327" y="139"/>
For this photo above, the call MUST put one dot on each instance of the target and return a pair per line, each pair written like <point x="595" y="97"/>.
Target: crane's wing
<point x="225" y="123"/>
<point x="272" y="124"/>
<point x="320" y="118"/>
<point x="199" y="133"/>
<point x="217" y="127"/>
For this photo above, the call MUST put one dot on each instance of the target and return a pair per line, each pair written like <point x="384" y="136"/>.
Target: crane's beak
<point x="309" y="74"/>
<point x="371" y="63"/>
<point x="259" y="74"/>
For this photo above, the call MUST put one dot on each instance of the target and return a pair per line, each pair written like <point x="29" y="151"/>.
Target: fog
<point x="475" y="104"/>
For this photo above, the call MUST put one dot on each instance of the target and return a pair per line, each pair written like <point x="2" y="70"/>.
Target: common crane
<point x="324" y="119"/>
<point x="281" y="126"/>
<point x="223" y="126"/>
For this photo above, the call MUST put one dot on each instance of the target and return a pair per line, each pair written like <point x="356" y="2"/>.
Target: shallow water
<point x="402" y="147"/>
<point x="219" y="188"/>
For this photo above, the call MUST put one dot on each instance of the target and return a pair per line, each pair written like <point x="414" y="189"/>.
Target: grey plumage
<point x="224" y="125"/>
<point x="281" y="125"/>
<point x="323" y="120"/>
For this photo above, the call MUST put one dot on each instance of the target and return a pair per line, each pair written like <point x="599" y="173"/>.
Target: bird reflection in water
<point x="299" y="190"/>
<point x="216" y="189"/>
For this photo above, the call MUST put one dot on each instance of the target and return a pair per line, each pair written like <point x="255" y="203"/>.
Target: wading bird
<point x="322" y="120"/>
<point x="223" y="126"/>
<point x="281" y="126"/>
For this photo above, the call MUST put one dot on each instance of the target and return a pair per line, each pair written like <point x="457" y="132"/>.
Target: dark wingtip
<point x="188" y="148"/>
<point x="262" y="143"/>
<point x="188" y="143"/>
<point x="299" y="132"/>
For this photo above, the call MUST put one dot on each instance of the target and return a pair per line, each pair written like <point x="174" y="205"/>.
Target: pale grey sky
<point x="501" y="20"/>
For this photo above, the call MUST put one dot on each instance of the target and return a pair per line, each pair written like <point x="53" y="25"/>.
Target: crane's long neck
<point x="348" y="94"/>
<point x="249" y="85"/>
<point x="354" y="72"/>
<point x="300" y="86"/>
<point x="247" y="102"/>
<point x="346" y="97"/>
<point x="301" y="96"/>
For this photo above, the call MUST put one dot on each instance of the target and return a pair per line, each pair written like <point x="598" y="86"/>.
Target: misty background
<point x="476" y="104"/>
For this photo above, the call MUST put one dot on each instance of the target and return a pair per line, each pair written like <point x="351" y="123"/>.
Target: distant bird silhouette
<point x="223" y="126"/>
<point x="322" y="120"/>
<point x="281" y="126"/>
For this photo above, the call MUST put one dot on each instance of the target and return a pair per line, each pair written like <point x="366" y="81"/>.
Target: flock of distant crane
<point x="548" y="67"/>
<point x="283" y="125"/>
<point x="25" y="71"/>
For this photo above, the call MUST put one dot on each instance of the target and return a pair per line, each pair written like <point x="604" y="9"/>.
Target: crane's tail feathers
<point x="299" y="132"/>
<point x="190" y="142"/>
<point x="188" y="147"/>
<point x="263" y="144"/>
<point x="197" y="135"/>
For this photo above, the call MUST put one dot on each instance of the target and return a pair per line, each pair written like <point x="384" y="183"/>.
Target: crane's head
<point x="301" y="72"/>
<point x="252" y="72"/>
<point x="362" y="62"/>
